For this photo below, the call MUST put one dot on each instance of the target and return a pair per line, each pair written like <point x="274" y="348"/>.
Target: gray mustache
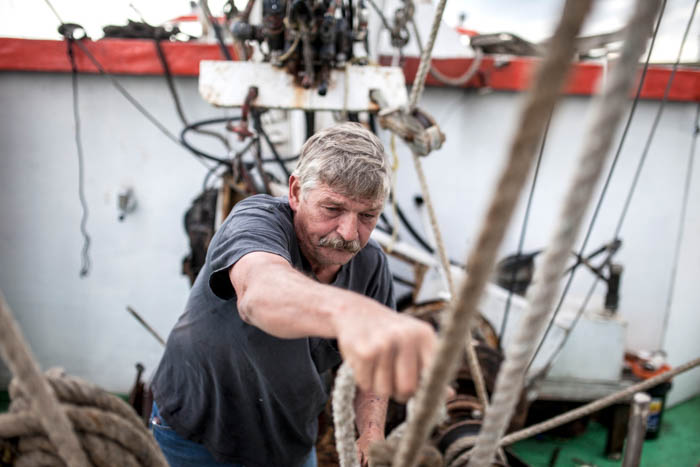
<point x="352" y="246"/>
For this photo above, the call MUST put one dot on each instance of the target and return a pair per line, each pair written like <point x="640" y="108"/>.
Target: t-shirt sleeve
<point x="248" y="229"/>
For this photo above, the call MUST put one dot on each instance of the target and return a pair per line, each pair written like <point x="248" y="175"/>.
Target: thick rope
<point x="539" y="104"/>
<point x="607" y="116"/>
<point x="452" y="460"/>
<point x="394" y="195"/>
<point x="416" y="91"/>
<point x="109" y="431"/>
<point x="425" y="59"/>
<point x="49" y="414"/>
<point x="475" y="371"/>
<point x="344" y="416"/>
<point x="439" y="243"/>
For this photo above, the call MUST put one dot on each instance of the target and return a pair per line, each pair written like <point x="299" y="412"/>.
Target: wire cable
<point x="523" y="229"/>
<point x="606" y="184"/>
<point x="681" y="222"/>
<point x="176" y="98"/>
<point x="194" y="126"/>
<point x="655" y="125"/>
<point x="257" y="124"/>
<point x="85" y="253"/>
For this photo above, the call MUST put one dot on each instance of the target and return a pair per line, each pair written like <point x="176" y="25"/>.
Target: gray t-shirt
<point x="250" y="397"/>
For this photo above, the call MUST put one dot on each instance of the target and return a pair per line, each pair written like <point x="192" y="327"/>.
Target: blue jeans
<point x="180" y="452"/>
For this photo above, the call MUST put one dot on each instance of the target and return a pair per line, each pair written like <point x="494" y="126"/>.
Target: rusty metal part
<point x="308" y="56"/>
<point x="241" y="128"/>
<point x="141" y="396"/>
<point x="418" y="129"/>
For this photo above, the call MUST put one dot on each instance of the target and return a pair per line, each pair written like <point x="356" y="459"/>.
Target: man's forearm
<point x="370" y="410"/>
<point x="285" y="303"/>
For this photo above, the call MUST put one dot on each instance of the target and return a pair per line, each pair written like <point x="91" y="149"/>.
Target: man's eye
<point x="332" y="209"/>
<point x="369" y="216"/>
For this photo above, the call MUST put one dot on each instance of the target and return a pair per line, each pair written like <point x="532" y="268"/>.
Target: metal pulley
<point x="418" y="128"/>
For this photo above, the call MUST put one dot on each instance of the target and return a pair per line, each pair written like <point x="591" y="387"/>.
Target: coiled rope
<point x="107" y="430"/>
<point x="607" y="115"/>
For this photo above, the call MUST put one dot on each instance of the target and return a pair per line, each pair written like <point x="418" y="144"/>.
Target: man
<point x="290" y="285"/>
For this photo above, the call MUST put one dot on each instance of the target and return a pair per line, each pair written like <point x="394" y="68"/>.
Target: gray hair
<point x="349" y="159"/>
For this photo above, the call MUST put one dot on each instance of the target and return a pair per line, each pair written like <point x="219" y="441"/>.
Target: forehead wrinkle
<point x="326" y="194"/>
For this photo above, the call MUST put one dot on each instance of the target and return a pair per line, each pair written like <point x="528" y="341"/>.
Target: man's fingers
<point x="363" y="368"/>
<point x="383" y="382"/>
<point x="427" y="350"/>
<point x="407" y="372"/>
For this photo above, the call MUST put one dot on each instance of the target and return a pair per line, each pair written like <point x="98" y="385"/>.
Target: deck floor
<point x="678" y="443"/>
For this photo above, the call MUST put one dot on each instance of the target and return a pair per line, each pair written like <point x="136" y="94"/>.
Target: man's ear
<point x="294" y="193"/>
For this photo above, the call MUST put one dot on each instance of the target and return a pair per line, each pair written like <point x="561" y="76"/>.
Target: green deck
<point x="678" y="443"/>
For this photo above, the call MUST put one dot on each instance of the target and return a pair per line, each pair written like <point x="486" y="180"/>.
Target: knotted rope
<point x="606" y="118"/>
<point x="107" y="431"/>
<point x="540" y="101"/>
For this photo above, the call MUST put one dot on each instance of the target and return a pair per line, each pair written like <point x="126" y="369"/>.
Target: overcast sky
<point x="531" y="19"/>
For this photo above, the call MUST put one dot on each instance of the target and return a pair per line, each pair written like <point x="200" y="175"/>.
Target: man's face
<point x="331" y="227"/>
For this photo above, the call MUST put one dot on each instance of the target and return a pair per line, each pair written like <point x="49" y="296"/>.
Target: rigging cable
<point x="85" y="254"/>
<point x="640" y="165"/>
<point x="523" y="230"/>
<point x="681" y="224"/>
<point x="125" y="93"/>
<point x="605" y="187"/>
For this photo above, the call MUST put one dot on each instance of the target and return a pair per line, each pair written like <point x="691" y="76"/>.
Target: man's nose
<point x="347" y="227"/>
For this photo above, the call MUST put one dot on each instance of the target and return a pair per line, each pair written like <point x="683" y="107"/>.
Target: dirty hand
<point x="386" y="350"/>
<point x="363" y="443"/>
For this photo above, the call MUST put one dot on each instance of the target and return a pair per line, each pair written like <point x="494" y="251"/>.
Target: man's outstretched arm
<point x="386" y="350"/>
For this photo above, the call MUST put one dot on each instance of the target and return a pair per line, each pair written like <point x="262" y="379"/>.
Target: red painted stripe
<point x="125" y="56"/>
<point x="514" y="75"/>
<point x="136" y="56"/>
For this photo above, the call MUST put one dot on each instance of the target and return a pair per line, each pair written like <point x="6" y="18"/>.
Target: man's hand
<point x="387" y="351"/>
<point x="363" y="443"/>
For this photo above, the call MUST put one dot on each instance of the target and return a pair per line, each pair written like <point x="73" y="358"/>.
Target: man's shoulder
<point x="259" y="207"/>
<point x="264" y="202"/>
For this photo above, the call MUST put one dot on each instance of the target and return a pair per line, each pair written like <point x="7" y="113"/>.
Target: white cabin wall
<point x="680" y="339"/>
<point x="82" y="324"/>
